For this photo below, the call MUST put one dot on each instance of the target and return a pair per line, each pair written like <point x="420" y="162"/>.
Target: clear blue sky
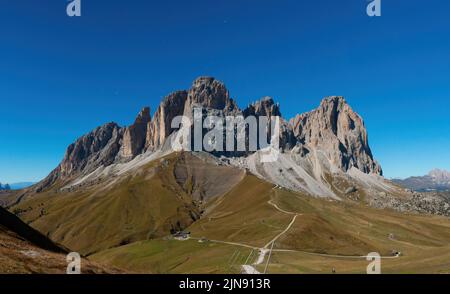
<point x="60" y="77"/>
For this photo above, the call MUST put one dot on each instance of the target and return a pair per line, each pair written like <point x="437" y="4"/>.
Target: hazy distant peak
<point x="440" y="174"/>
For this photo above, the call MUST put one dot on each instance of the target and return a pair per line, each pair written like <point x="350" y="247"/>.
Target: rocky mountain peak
<point x="333" y="100"/>
<point x="264" y="107"/>
<point x="440" y="175"/>
<point x="435" y="180"/>
<point x="207" y="92"/>
<point x="339" y="132"/>
<point x="134" y="137"/>
<point x="143" y="117"/>
<point x="333" y="130"/>
<point x="97" y="148"/>
<point x="160" y="127"/>
<point x="203" y="81"/>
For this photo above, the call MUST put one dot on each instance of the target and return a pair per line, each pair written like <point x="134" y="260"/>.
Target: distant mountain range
<point x="435" y="180"/>
<point x="21" y="185"/>
<point x="4" y="187"/>
<point x="16" y="186"/>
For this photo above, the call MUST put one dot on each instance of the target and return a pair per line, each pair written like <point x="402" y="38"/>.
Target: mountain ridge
<point x="323" y="153"/>
<point x="120" y="187"/>
<point x="435" y="180"/>
<point x="333" y="128"/>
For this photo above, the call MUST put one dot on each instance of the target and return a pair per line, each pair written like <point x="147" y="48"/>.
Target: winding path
<point x="250" y="269"/>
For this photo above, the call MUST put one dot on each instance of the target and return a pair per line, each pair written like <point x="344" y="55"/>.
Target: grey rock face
<point x="267" y="107"/>
<point x="207" y="92"/>
<point x="440" y="176"/>
<point x="437" y="203"/>
<point x="350" y="190"/>
<point x="160" y="127"/>
<point x="134" y="138"/>
<point x="334" y="128"/>
<point x="98" y="148"/>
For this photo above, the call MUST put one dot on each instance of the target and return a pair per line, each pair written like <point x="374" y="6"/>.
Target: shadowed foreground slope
<point x="24" y="250"/>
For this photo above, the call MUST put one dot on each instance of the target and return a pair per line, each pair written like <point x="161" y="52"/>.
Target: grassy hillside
<point x="11" y="223"/>
<point x="126" y="222"/>
<point x="244" y="218"/>
<point x="24" y="250"/>
<point x="176" y="257"/>
<point x="242" y="215"/>
<point x="148" y="203"/>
